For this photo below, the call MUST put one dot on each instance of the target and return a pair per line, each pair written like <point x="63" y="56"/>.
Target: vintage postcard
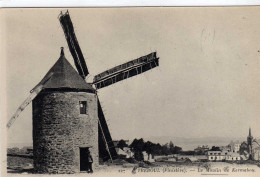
<point x="131" y="91"/>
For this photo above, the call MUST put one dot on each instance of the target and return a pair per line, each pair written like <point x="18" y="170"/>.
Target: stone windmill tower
<point x="65" y="121"/>
<point x="67" y="116"/>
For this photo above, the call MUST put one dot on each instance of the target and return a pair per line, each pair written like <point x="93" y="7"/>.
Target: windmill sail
<point x="126" y="70"/>
<point x="106" y="145"/>
<point x="34" y="92"/>
<point x="23" y="105"/>
<point x="73" y="44"/>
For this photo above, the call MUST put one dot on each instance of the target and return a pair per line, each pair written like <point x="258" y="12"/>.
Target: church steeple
<point x="249" y="144"/>
<point x="250" y="137"/>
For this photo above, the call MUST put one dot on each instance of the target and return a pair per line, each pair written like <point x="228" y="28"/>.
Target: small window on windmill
<point x="83" y="107"/>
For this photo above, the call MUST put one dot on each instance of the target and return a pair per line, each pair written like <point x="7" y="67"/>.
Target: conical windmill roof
<point x="64" y="76"/>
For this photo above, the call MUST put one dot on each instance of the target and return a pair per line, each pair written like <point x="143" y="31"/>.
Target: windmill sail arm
<point x="73" y="44"/>
<point x="33" y="94"/>
<point x="70" y="45"/>
<point x="106" y="139"/>
<point x="126" y="70"/>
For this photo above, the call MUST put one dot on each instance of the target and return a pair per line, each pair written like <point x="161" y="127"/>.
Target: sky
<point x="207" y="84"/>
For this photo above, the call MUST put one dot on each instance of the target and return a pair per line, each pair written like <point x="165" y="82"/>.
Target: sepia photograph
<point x="169" y="91"/>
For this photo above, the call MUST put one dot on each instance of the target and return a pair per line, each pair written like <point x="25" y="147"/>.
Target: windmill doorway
<point x="84" y="156"/>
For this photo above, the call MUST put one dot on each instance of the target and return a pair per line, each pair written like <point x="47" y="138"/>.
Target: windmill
<point x="104" y="79"/>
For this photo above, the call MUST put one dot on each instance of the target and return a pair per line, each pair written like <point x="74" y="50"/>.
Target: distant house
<point x="127" y="142"/>
<point x="145" y="156"/>
<point x="115" y="142"/>
<point x="214" y="156"/>
<point x="202" y="149"/>
<point x="225" y="148"/>
<point x="128" y="151"/>
<point x="223" y="156"/>
<point x="256" y="152"/>
<point x="234" y="146"/>
<point x="125" y="152"/>
<point x="121" y="153"/>
<point x="29" y="150"/>
<point x="172" y="159"/>
<point x="233" y="156"/>
<point x="148" y="157"/>
<point x="256" y="149"/>
<point x="193" y="158"/>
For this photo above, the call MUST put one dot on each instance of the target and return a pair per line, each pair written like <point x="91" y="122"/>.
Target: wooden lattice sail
<point x="34" y="92"/>
<point x="126" y="70"/>
<point x="73" y="44"/>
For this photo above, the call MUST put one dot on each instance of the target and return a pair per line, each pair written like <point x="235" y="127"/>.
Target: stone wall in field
<point x="59" y="130"/>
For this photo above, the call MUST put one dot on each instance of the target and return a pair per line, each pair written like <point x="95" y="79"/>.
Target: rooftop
<point x="63" y="76"/>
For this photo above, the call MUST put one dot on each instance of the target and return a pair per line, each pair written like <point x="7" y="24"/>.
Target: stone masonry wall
<point x="59" y="130"/>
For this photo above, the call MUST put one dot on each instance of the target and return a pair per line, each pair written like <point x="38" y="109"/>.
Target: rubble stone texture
<point x="59" y="130"/>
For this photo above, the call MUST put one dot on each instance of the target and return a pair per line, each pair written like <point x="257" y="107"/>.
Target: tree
<point x="165" y="149"/>
<point x="171" y="146"/>
<point x="177" y="150"/>
<point x="187" y="152"/>
<point x="148" y="147"/>
<point x="243" y="150"/>
<point x="215" y="148"/>
<point x="121" y="144"/>
<point x="157" y="149"/>
<point x="137" y="146"/>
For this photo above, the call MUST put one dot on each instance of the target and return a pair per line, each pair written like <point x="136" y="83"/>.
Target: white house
<point x="148" y="157"/>
<point x="223" y="155"/>
<point x="234" y="146"/>
<point x="128" y="151"/>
